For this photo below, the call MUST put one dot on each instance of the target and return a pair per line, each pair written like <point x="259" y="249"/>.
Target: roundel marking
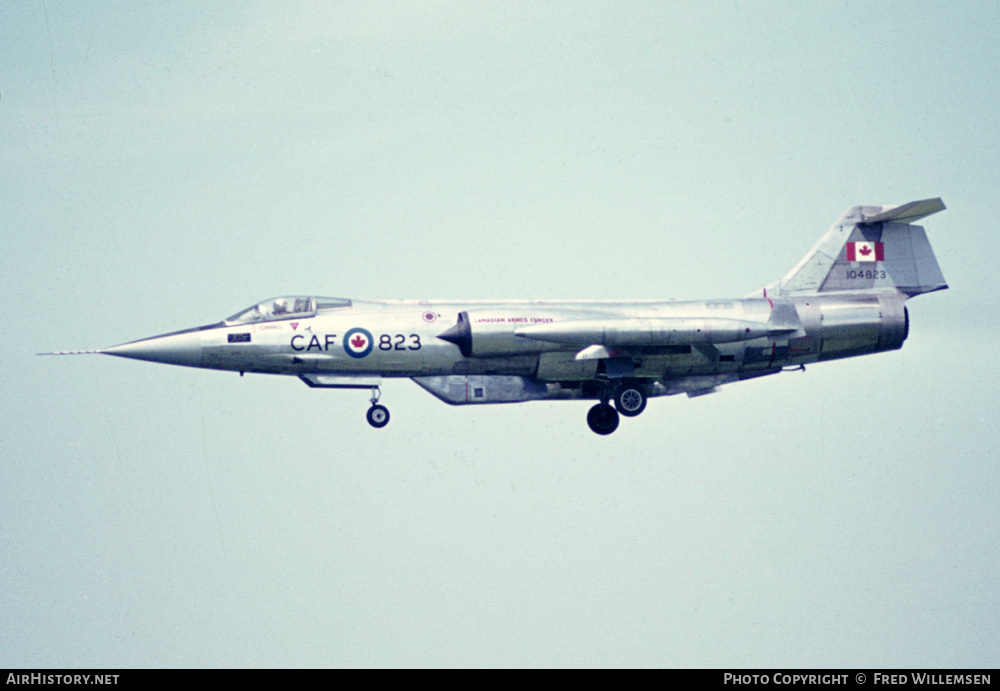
<point x="358" y="342"/>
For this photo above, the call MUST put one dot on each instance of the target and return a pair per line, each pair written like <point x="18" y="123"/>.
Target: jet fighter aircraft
<point x="845" y="298"/>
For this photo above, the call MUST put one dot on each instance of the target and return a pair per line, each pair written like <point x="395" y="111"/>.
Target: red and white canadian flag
<point x="865" y="252"/>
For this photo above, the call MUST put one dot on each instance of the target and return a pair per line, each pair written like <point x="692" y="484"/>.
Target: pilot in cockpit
<point x="280" y="307"/>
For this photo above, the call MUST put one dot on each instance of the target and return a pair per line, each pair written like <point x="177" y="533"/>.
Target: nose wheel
<point x="377" y="415"/>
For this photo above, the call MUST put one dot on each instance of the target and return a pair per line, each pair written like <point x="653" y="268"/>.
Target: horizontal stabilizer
<point x="908" y="213"/>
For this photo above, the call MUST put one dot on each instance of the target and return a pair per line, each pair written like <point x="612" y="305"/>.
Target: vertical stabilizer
<point x="870" y="249"/>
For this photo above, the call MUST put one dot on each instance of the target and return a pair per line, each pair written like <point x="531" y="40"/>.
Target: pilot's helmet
<point x="280" y="306"/>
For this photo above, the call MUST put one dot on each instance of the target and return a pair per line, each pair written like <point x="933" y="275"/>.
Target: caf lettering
<point x="314" y="344"/>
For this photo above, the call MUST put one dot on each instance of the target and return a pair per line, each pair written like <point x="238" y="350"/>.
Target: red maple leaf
<point x="865" y="250"/>
<point x="358" y="341"/>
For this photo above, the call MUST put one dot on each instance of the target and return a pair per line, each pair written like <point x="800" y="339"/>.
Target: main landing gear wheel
<point x="603" y="419"/>
<point x="630" y="400"/>
<point x="378" y="416"/>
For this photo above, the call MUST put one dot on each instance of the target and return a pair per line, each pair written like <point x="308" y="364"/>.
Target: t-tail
<point x="870" y="249"/>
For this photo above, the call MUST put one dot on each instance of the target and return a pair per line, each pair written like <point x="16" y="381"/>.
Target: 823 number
<point x="385" y="342"/>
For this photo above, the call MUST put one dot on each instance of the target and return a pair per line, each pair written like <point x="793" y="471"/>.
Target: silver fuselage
<point x="405" y="339"/>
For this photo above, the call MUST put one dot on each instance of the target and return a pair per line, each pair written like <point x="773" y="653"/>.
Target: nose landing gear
<point x="377" y="415"/>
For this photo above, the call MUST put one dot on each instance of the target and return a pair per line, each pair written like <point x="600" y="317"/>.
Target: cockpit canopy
<point x="287" y="307"/>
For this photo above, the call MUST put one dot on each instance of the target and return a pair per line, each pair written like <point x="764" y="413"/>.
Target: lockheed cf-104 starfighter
<point x="846" y="297"/>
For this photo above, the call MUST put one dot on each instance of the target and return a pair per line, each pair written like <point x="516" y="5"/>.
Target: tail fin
<point x="870" y="249"/>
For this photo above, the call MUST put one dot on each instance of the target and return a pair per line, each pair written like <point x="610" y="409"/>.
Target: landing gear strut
<point x="378" y="415"/>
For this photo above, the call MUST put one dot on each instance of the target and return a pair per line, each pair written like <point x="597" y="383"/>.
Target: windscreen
<point x="294" y="306"/>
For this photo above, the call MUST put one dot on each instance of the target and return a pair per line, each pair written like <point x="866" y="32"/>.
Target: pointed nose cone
<point x="182" y="348"/>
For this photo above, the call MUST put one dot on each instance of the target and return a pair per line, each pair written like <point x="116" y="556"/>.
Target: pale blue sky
<point x="164" y="167"/>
